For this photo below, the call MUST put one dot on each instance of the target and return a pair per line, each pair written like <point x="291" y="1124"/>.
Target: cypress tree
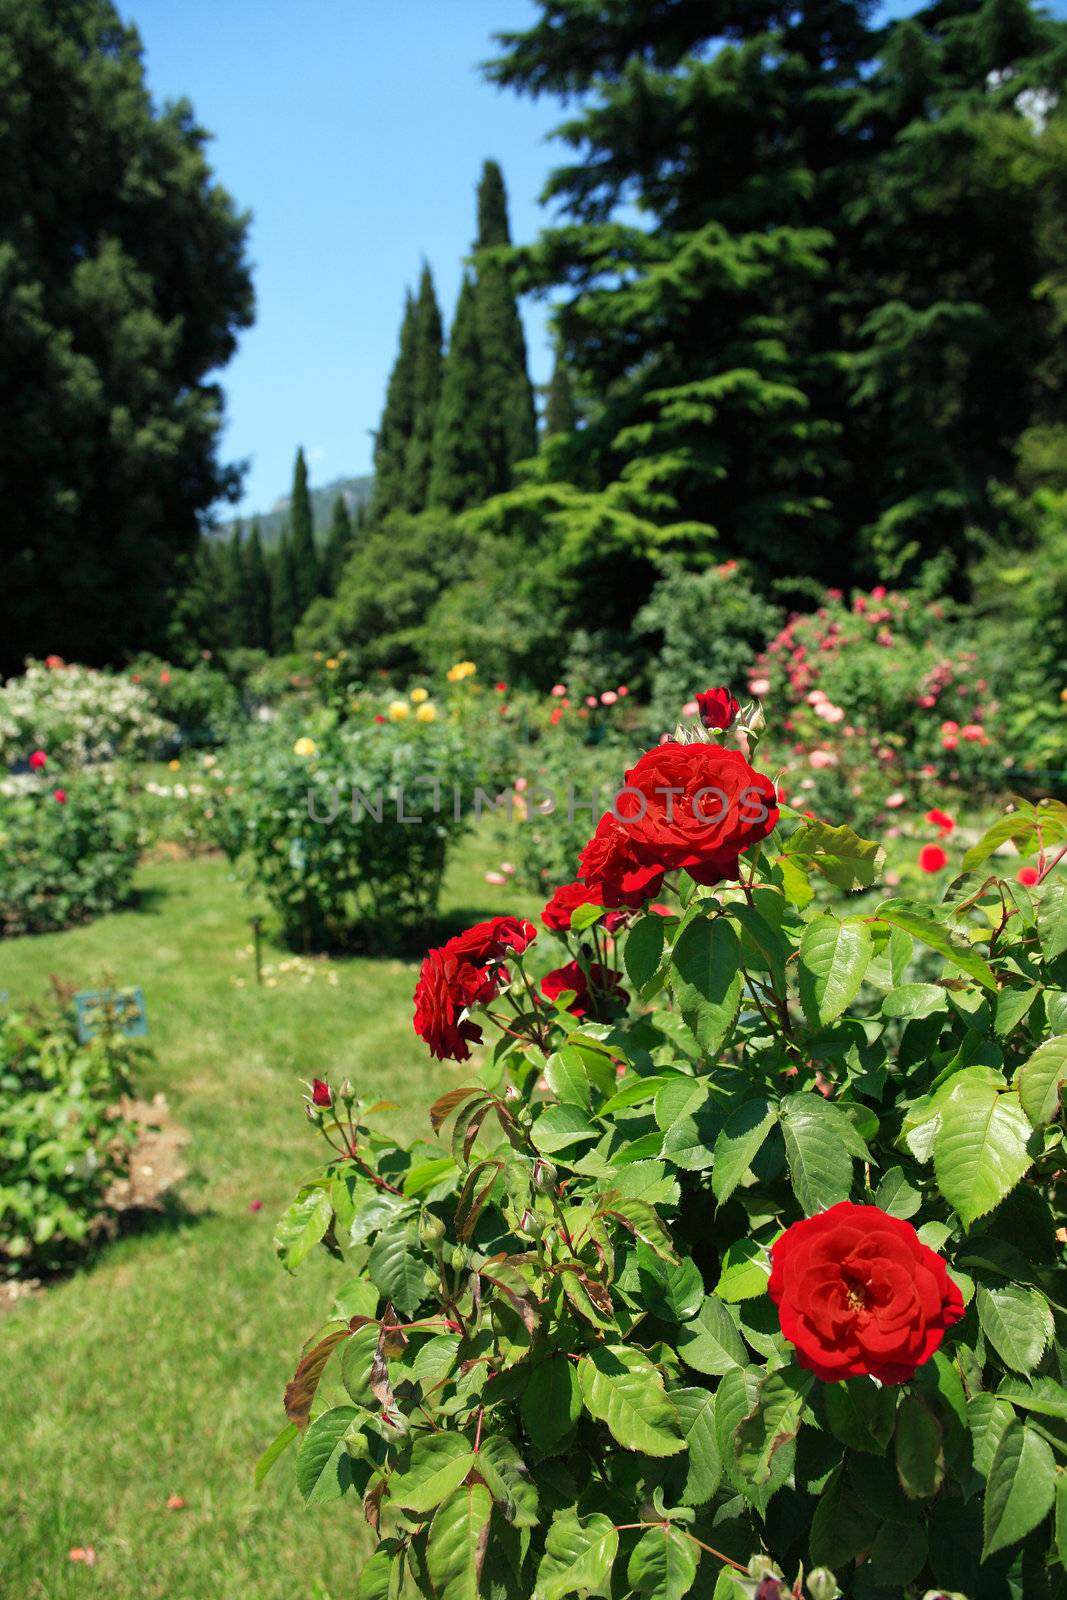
<point x="509" y="392"/>
<point x="304" y="555"/>
<point x="463" y="470"/>
<point x="426" y="394"/>
<point x="561" y="415"/>
<point x="338" y="546"/>
<point x="237" y="621"/>
<point x="259" y="591"/>
<point x="393" y="438"/>
<point x="284" y="613"/>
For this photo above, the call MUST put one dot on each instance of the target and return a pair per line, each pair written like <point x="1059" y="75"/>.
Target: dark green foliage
<point x="393" y="439"/>
<point x="259" y="597"/>
<point x="338" y="546"/>
<point x="123" y="285"/>
<point x="235" y="591"/>
<point x="466" y="465"/>
<point x="306" y="576"/>
<point x="284" y="606"/>
<point x="426" y="392"/>
<point x="508" y="390"/>
<point x="561" y="415"/>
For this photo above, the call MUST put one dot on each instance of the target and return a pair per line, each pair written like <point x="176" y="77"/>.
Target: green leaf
<point x="696" y="1413"/>
<point x="621" y="1387"/>
<point x="1019" y="1489"/>
<point x="551" y="1403"/>
<point x="1017" y="1322"/>
<point x="706" y="979"/>
<point x="437" y="1467"/>
<point x="1017" y="827"/>
<point x="738" y="1144"/>
<point x="397" y="1269"/>
<point x="672" y="1290"/>
<point x="561" y="1128"/>
<point x="746" y="1268"/>
<point x="567" y="1078"/>
<point x="915" y="1000"/>
<point x="301" y="1227"/>
<point x="379" y="1577"/>
<point x="1044" y="1396"/>
<point x="861" y="1413"/>
<point x="834" y="956"/>
<point x="578" y="1557"/>
<point x="987" y="1417"/>
<point x="357" y="1357"/>
<point x="663" y="1564"/>
<point x="980" y="1149"/>
<point x="642" y="1220"/>
<point x="277" y="1445"/>
<point x="508" y="1480"/>
<point x="1052" y="920"/>
<point x="842" y="1527"/>
<point x="1040" y="1079"/>
<point x="1012" y="1006"/>
<point x="643" y="950"/>
<point x="710" y="1343"/>
<point x="820" y="1142"/>
<point x="920" y="1458"/>
<point x="848" y="861"/>
<point x="1061" y="1517"/>
<point x="770" y="1427"/>
<point x="932" y="934"/>
<point x="324" y="1466"/>
<point x="638" y="1090"/>
<point x="896" y="1195"/>
<point x="455" y="1549"/>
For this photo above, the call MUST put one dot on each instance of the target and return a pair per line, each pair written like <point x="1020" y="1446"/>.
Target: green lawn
<point x="160" y="1370"/>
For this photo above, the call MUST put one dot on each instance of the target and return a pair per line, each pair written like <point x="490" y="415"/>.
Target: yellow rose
<point x="419" y="695"/>
<point x="398" y="710"/>
<point x="426" y="713"/>
<point x="1063" y="696"/>
<point x="175" y="766"/>
<point x="332" y="665"/>
<point x="305" y="747"/>
<point x="462" y="669"/>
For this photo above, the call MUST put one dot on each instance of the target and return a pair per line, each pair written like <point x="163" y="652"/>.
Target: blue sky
<point x="354" y="130"/>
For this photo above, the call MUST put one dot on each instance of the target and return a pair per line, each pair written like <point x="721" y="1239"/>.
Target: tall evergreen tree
<point x="305" y="557"/>
<point x="285" y="608"/>
<point x="338" y="546"/>
<point x="465" y="469"/>
<point x="235" y="591"/>
<point x="561" y="415"/>
<point x="509" y="392"/>
<point x="124" y="286"/>
<point x="426" y="394"/>
<point x="393" y="440"/>
<point x="259" y="590"/>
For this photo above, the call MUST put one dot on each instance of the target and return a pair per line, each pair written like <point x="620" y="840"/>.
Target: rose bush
<point x="68" y="850"/>
<point x="763" y="1252"/>
<point x="77" y="715"/>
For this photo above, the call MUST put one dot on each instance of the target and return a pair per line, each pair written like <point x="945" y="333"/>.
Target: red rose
<point x="59" y="796"/>
<point x="609" y="866"/>
<point x="859" y="1293"/>
<point x="492" y="940"/>
<point x="320" y="1092"/>
<point x="1027" y="876"/>
<point x="565" y="902"/>
<point x="164" y="677"/>
<point x="940" y="820"/>
<point x="594" y="989"/>
<point x="718" y="708"/>
<point x="932" y="858"/>
<point x="695" y="806"/>
<point x="38" y="760"/>
<point x="448" y="986"/>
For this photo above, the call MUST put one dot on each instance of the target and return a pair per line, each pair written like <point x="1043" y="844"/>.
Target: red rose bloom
<point x="608" y="865"/>
<point x="464" y="972"/>
<point x="932" y="858"/>
<point x="491" y="941"/>
<point x="941" y="821"/>
<point x="38" y="760"/>
<point x="718" y="708"/>
<point x="858" y="1294"/>
<point x="320" y="1092"/>
<point x="1027" y="876"/>
<point x="59" y="796"/>
<point x="695" y="806"/>
<point x="594" y="990"/>
<point x="565" y="902"/>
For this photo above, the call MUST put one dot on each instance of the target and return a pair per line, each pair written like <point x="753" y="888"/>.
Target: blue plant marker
<point x="126" y="1006"/>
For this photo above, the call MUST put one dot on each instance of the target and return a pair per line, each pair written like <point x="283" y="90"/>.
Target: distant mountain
<point x="356" y="491"/>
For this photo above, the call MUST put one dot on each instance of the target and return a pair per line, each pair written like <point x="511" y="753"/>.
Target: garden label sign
<point x="122" y="1010"/>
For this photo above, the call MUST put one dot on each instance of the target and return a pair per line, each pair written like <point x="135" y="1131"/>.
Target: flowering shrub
<point x="338" y="828"/>
<point x="744" y="1231"/>
<point x="77" y="715"/>
<point x="63" y="1139"/>
<point x="67" y="853"/>
<point x="200" y="702"/>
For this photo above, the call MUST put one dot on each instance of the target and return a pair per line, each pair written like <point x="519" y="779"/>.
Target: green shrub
<point x="68" y="849"/>
<point x="766" y="1255"/>
<point x="64" y="1142"/>
<point x="201" y="702"/>
<point x="77" y="715"/>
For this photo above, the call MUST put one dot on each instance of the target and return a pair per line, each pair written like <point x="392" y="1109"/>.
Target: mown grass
<point x="159" y="1370"/>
